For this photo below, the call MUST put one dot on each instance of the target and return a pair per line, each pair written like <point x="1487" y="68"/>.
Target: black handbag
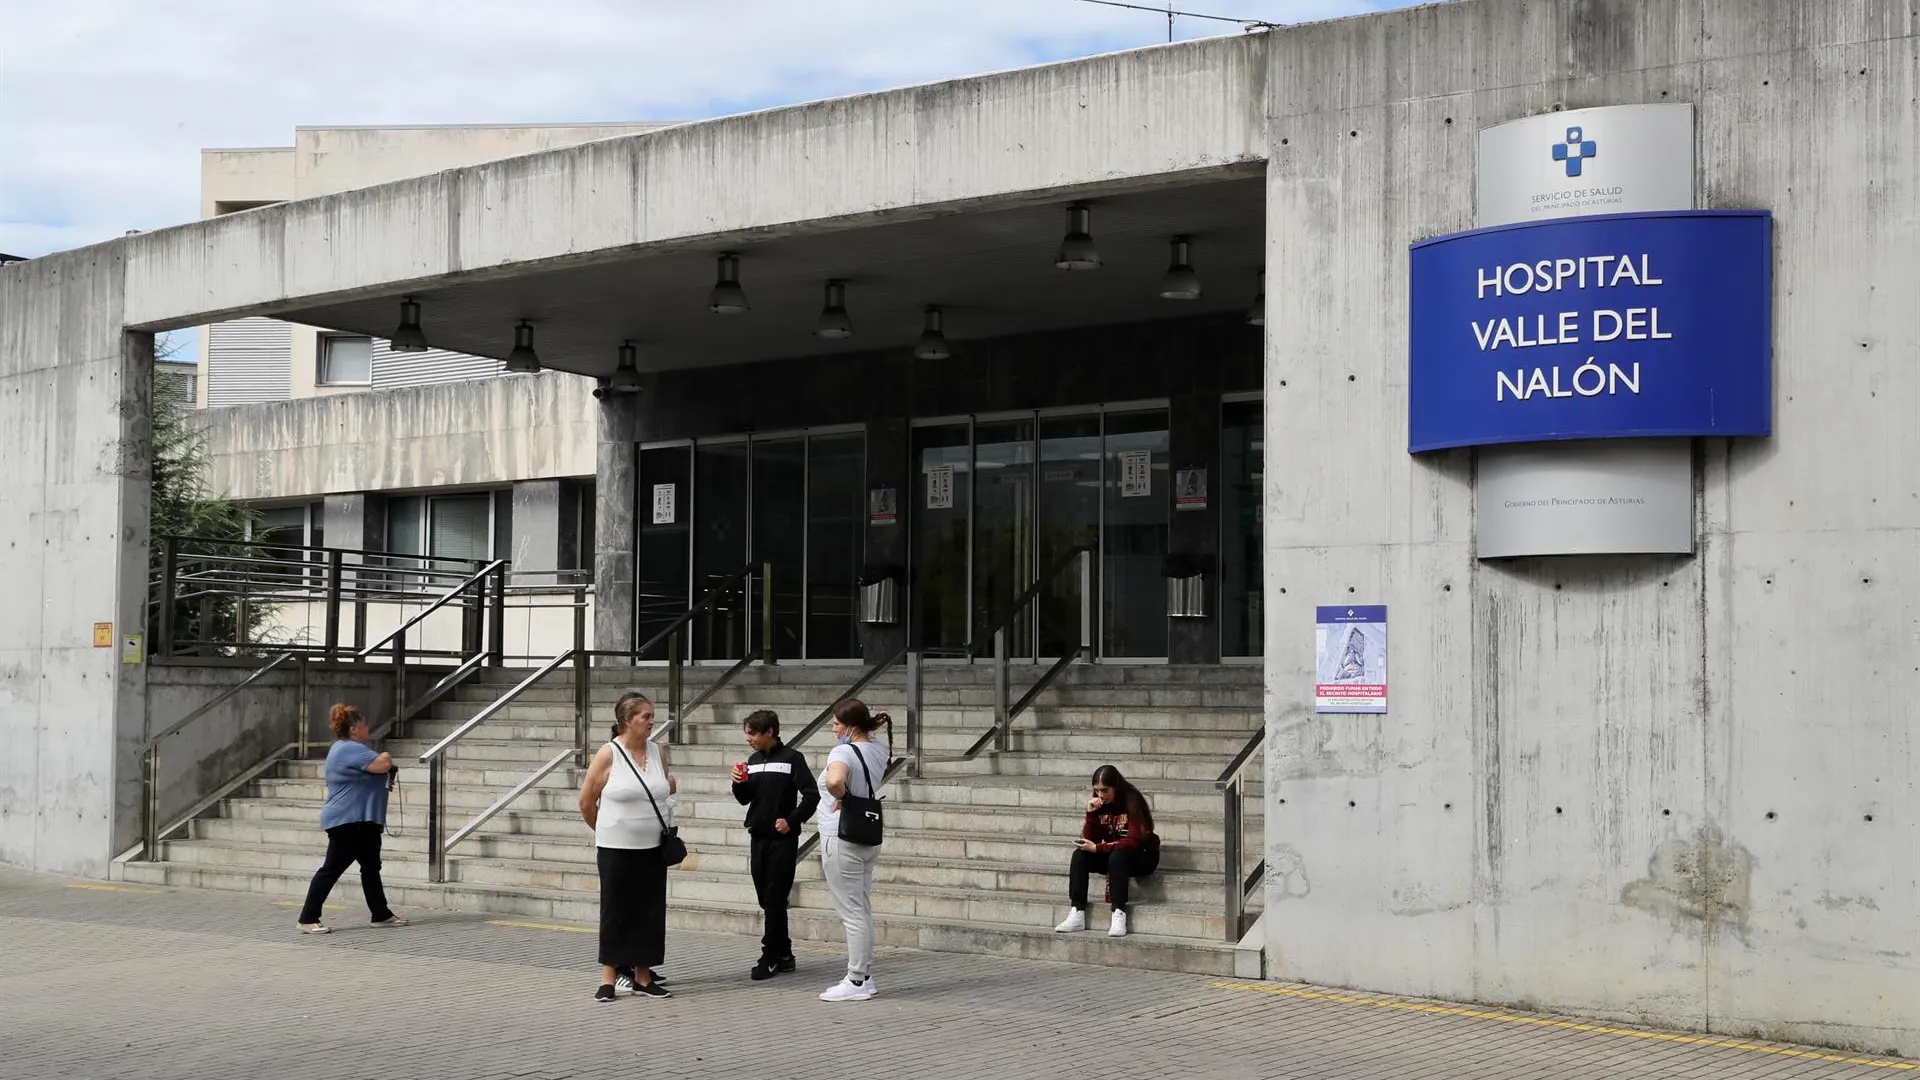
<point x="673" y="850"/>
<point x="860" y="819"/>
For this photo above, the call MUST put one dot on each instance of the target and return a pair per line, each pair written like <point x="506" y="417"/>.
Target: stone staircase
<point x="976" y="853"/>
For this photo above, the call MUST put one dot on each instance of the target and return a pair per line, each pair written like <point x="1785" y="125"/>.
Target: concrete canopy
<point x="992" y="271"/>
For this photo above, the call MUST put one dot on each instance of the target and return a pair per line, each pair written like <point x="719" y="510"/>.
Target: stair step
<point x="1142" y="949"/>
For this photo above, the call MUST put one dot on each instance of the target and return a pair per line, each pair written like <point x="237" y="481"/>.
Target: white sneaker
<point x="1119" y="925"/>
<point x="848" y="990"/>
<point x="1075" y="920"/>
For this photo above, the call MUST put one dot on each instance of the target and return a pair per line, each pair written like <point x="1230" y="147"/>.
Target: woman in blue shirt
<point x="354" y="817"/>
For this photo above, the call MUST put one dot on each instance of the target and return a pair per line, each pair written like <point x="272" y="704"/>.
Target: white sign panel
<point x="663" y="503"/>
<point x="1609" y="496"/>
<point x="1619" y="159"/>
<point x="940" y="487"/>
<point x="1606" y="496"/>
<point x="1136" y="474"/>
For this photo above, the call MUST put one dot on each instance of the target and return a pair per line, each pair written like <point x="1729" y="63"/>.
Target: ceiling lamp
<point x="523" y="358"/>
<point x="933" y="344"/>
<point x="409" y="337"/>
<point x="1181" y="283"/>
<point x="626" y="374"/>
<point x="728" y="298"/>
<point x="1257" y="314"/>
<point x="1076" y="249"/>
<point x="834" y="323"/>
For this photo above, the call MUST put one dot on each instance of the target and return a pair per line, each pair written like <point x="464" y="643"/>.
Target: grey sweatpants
<point x="849" y="873"/>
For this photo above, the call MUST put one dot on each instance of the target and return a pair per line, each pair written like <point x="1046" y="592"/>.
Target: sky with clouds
<point x="106" y="104"/>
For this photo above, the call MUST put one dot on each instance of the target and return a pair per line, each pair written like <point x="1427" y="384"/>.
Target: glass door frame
<point x="1220" y="523"/>
<point x="642" y="503"/>
<point x="911" y="523"/>
<point x="1099" y="410"/>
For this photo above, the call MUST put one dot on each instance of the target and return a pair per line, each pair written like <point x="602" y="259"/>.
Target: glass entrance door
<point x="1069" y="491"/>
<point x="1003" y="529"/>
<point x="942" y="500"/>
<point x="999" y="502"/>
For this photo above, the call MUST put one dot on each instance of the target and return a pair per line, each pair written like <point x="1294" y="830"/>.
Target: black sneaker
<point x="763" y="971"/>
<point x="786" y="963"/>
<point x="605" y="993"/>
<point x="652" y="990"/>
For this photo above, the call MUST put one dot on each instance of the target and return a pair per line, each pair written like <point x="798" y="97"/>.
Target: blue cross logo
<point x="1575" y="150"/>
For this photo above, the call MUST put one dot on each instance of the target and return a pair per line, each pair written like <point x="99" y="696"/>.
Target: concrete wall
<point x="223" y="743"/>
<point x="74" y="433"/>
<point x="492" y="432"/>
<point x="1669" y="789"/>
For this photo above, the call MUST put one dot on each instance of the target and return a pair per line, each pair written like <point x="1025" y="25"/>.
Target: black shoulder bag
<point x="673" y="850"/>
<point x="860" y="821"/>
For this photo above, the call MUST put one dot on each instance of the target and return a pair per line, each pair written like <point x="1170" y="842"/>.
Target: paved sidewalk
<point x="123" y="981"/>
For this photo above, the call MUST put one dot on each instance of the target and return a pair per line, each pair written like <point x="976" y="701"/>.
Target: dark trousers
<point x="358" y="842"/>
<point x="772" y="862"/>
<point x="633" y="908"/>
<point x="1121" y="867"/>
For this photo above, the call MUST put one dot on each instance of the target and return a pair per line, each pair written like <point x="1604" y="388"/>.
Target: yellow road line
<point x="1401" y="1005"/>
<point x="544" y="926"/>
<point x="96" y="887"/>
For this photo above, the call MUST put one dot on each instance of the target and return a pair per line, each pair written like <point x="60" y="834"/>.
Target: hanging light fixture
<point x="1257" y="314"/>
<point x="523" y="358"/>
<point x="1076" y="249"/>
<point x="626" y="374"/>
<point x="1181" y="283"/>
<point x="728" y="298"/>
<point x="933" y="344"/>
<point x="409" y="337"/>
<point x="834" y="323"/>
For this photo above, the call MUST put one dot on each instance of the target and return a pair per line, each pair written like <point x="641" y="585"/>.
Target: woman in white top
<point x="626" y="798"/>
<point x="855" y="767"/>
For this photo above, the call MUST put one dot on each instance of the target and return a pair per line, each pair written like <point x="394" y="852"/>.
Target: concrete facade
<point x="329" y="160"/>
<point x="1678" y="789"/>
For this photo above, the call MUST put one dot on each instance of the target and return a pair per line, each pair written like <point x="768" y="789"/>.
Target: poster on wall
<point x="1136" y="474"/>
<point x="940" y="487"/>
<point x="882" y="506"/>
<point x="1350" y="659"/>
<point x="663" y="503"/>
<point x="1190" y="489"/>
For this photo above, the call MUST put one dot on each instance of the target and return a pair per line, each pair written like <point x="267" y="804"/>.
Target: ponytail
<point x="341" y="719"/>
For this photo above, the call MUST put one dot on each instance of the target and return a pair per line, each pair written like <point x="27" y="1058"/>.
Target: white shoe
<point x="1075" y="920"/>
<point x="1119" y="925"/>
<point x="848" y="990"/>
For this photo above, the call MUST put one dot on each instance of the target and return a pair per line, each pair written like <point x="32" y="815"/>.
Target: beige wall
<point x="326" y="161"/>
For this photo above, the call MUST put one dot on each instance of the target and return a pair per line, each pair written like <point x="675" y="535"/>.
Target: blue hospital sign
<point x="1613" y="326"/>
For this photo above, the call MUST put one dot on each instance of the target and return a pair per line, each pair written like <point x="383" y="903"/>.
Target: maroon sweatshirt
<point x="1111" y="830"/>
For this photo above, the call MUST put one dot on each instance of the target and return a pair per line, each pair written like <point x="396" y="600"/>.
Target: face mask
<point x="847" y="738"/>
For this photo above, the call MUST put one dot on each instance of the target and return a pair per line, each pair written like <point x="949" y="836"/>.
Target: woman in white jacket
<point x="854" y="767"/>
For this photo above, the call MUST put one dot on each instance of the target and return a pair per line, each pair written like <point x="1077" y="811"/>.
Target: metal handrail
<point x="859" y="684"/>
<point x="504" y="801"/>
<point x="218" y="699"/>
<point x="445" y="598"/>
<point x="1004" y="710"/>
<point x="706" y="603"/>
<point x="1234" y="887"/>
<point x="1031" y="593"/>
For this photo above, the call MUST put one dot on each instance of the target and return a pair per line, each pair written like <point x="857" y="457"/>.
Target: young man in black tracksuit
<point x="780" y="794"/>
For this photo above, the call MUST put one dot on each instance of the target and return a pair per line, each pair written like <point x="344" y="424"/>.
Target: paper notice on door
<point x="1136" y="474"/>
<point x="940" y="487"/>
<point x="663" y="503"/>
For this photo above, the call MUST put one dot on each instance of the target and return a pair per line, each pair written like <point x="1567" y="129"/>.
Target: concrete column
<point x="887" y="465"/>
<point x="75" y="431"/>
<point x="616" y="476"/>
<point x="1194" y="437"/>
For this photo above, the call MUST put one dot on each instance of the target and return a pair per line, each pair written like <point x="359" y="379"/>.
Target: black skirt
<point x="633" y="907"/>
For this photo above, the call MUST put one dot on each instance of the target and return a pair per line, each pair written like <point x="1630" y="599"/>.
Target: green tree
<point x="206" y="607"/>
